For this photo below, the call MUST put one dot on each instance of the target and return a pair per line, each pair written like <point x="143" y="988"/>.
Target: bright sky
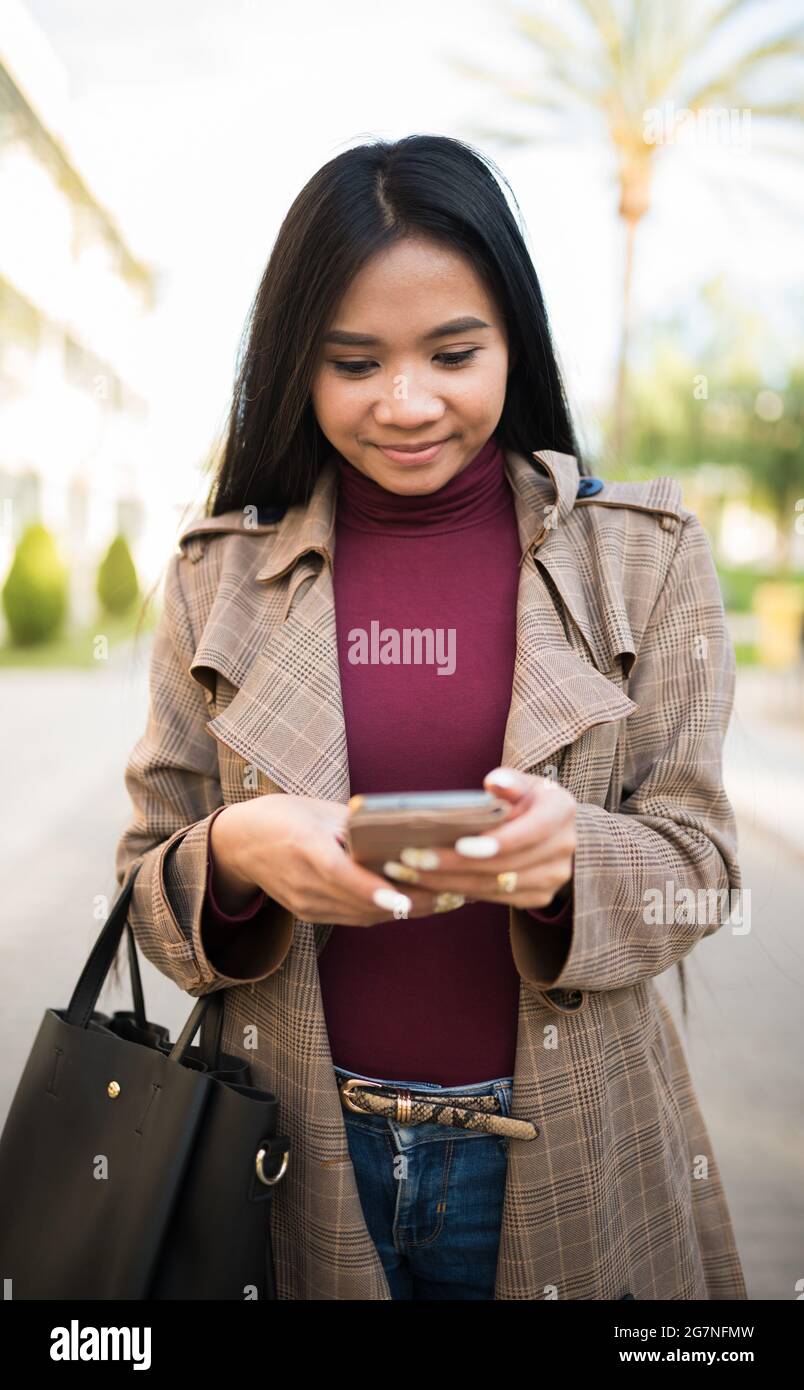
<point x="198" y="123"/>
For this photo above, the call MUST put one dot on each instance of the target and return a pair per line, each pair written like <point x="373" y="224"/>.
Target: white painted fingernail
<point x="386" y="897"/>
<point x="477" y="846"/>
<point x="503" y="776"/>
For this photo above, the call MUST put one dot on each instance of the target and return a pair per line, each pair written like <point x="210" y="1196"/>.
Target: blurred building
<point x="74" y="310"/>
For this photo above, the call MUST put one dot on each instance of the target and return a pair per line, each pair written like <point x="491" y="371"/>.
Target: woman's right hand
<point x="293" y="847"/>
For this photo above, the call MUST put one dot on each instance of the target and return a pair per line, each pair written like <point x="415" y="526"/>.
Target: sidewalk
<point x="763" y="754"/>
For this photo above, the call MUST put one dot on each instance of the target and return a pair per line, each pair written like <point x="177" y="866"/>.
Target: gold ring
<point x="508" y="881"/>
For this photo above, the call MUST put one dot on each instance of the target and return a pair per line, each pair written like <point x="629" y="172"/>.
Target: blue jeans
<point x="432" y="1195"/>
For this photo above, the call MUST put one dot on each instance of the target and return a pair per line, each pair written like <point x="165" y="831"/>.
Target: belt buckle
<point x="404" y="1098"/>
<point x="346" y="1090"/>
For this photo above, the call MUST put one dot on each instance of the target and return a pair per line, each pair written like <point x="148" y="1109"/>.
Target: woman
<point x="543" y="1139"/>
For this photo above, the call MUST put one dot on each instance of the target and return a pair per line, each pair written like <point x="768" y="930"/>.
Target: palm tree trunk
<point x="621" y="394"/>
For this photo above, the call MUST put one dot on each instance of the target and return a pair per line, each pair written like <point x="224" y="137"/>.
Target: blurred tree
<point x="719" y="400"/>
<point x="35" y="593"/>
<point x="118" y="588"/>
<point x="622" y="61"/>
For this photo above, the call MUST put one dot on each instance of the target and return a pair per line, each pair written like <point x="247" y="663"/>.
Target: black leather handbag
<point x="131" y="1168"/>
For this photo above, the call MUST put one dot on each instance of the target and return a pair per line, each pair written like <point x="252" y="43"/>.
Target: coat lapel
<point x="287" y="715"/>
<point x="557" y="693"/>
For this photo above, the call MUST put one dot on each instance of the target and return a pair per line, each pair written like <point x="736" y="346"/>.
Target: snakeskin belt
<point x="410" y="1107"/>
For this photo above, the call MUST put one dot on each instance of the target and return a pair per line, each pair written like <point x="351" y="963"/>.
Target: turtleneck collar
<point x="470" y="497"/>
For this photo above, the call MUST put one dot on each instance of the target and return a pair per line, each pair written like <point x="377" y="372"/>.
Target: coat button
<point x="588" y="487"/>
<point x="668" y="523"/>
<point x="564" y="1001"/>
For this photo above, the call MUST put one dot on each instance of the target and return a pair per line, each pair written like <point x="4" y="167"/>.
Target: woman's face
<point x="416" y="354"/>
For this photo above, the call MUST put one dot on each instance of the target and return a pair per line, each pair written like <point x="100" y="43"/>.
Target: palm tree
<point x="619" y="61"/>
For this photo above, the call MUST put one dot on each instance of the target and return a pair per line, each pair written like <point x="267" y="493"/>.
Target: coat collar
<point x="542" y="501"/>
<point x="582" y="556"/>
<point x="286" y="716"/>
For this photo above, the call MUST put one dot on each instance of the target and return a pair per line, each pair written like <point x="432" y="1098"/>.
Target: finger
<point x="509" y="784"/>
<point x="535" y="886"/>
<point x="358" y="886"/>
<point x="481" y="876"/>
<point x="550" y="876"/>
<point x="528" y="839"/>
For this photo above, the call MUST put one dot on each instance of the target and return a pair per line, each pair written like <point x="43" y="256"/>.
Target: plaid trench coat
<point x="622" y="689"/>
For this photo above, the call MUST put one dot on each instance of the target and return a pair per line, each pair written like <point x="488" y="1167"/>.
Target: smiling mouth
<point x="414" y="453"/>
<point x="412" y="448"/>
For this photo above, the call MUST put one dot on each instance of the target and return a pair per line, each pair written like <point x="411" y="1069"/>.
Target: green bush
<point x="118" y="588"/>
<point x="36" y="591"/>
<point x="738" y="585"/>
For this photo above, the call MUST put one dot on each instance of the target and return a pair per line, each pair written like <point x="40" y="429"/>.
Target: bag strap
<point x="208" y="1015"/>
<point x="212" y="1029"/>
<point x="93" y="975"/>
<point x="136" y="979"/>
<point x="208" y="1012"/>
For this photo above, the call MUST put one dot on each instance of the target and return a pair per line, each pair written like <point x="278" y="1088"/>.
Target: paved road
<point x="764" y="753"/>
<point x="65" y="806"/>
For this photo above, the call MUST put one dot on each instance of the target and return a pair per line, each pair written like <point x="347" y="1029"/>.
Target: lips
<point x="408" y="454"/>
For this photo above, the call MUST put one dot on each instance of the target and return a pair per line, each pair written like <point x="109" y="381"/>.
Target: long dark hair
<point x="359" y="203"/>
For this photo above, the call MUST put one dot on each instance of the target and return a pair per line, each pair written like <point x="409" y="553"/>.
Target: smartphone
<point x="381" y="824"/>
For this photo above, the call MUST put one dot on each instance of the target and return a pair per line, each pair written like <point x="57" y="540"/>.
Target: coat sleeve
<point x="172" y="777"/>
<point x="675" y="829"/>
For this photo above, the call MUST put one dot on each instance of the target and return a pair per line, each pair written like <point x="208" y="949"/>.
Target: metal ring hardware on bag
<point x="269" y="1182"/>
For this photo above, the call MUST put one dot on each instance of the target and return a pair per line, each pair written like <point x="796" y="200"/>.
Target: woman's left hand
<point x="536" y="842"/>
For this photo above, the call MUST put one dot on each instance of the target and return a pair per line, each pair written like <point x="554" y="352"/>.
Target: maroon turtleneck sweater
<point x="431" y="998"/>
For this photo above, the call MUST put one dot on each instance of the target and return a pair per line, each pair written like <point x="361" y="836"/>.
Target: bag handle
<point x="93" y="975"/>
<point x="208" y="1013"/>
<point x="136" y="978"/>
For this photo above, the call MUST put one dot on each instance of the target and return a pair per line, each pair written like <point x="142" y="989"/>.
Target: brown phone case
<point x="373" y="837"/>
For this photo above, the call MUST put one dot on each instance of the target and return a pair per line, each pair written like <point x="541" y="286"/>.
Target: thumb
<point x="507" y="783"/>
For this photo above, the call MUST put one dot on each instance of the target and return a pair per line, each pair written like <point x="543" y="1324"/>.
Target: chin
<point x="427" y="478"/>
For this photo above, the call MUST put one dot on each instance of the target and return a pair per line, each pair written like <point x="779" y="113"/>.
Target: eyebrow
<point x="341" y="338"/>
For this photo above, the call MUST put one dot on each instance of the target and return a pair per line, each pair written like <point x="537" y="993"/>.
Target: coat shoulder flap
<point x="248" y="521"/>
<point x="660" y="497"/>
<point x="612" y="561"/>
<point x="227" y="611"/>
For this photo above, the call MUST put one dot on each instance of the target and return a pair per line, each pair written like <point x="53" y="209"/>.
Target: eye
<point x="351" y="368"/>
<point x="457" y="359"/>
<point x="450" y="360"/>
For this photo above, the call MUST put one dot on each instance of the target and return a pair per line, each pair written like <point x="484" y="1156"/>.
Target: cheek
<point x="481" y="393"/>
<point x="320" y="398"/>
<point x="338" y="405"/>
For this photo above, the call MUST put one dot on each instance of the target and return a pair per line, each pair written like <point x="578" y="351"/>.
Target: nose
<point x="408" y="405"/>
